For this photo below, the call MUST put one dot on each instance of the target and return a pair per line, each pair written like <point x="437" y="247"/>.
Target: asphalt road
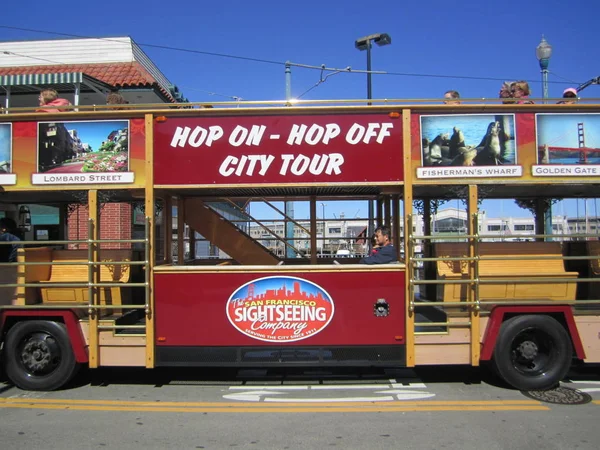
<point x="437" y="408"/>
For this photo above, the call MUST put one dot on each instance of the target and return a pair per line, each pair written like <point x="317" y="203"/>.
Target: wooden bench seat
<point x="75" y="273"/>
<point x="499" y="270"/>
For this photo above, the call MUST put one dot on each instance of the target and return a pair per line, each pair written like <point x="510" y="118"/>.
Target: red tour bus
<point x="159" y="258"/>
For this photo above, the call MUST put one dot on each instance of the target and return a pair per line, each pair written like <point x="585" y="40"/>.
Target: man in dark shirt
<point x="386" y="253"/>
<point x="8" y="253"/>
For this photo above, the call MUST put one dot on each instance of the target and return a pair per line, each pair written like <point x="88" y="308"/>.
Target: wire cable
<point x="280" y="63"/>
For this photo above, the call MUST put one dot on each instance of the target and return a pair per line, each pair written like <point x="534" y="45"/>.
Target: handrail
<point x="291" y="219"/>
<point x="252" y="219"/>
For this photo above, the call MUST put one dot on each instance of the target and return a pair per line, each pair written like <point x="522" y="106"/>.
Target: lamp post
<point x="324" y="225"/>
<point x="543" y="52"/>
<point x="364" y="43"/>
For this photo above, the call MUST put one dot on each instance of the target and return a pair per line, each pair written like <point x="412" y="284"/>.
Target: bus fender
<point x="68" y="317"/>
<point x="500" y="313"/>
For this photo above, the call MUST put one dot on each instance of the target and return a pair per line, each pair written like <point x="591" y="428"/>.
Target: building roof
<point x="118" y="74"/>
<point x="23" y="83"/>
<point x="117" y="61"/>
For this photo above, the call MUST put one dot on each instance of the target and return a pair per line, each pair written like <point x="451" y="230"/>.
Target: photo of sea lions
<point x="468" y="140"/>
<point x="568" y="138"/>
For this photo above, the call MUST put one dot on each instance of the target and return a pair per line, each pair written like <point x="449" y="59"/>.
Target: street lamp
<point x="365" y="43"/>
<point x="323" y="243"/>
<point x="543" y="52"/>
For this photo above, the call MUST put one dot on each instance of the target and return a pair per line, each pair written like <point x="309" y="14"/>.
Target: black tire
<point x="38" y="355"/>
<point x="533" y="352"/>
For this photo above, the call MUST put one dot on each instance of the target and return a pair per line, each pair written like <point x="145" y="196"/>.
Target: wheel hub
<point x="528" y="350"/>
<point x="39" y="354"/>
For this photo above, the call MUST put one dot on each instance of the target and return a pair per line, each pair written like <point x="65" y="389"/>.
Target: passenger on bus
<point x="49" y="100"/>
<point x="374" y="245"/>
<point x="569" y="96"/>
<point x="506" y="92"/>
<point x="386" y="253"/>
<point x="452" y="98"/>
<point x="114" y="98"/>
<point x="8" y="253"/>
<point x="521" y="91"/>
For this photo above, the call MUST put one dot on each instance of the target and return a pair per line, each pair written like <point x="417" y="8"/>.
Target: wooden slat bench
<point x="506" y="269"/>
<point x="75" y="273"/>
<point x="593" y="250"/>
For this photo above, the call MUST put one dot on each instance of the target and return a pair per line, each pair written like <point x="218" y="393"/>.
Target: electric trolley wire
<point x="11" y="53"/>
<point x="272" y="62"/>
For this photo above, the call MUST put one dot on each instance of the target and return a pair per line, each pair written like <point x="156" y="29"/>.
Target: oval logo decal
<point x="280" y="309"/>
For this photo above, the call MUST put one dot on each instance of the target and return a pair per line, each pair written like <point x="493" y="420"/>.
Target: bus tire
<point x="38" y="355"/>
<point x="532" y="352"/>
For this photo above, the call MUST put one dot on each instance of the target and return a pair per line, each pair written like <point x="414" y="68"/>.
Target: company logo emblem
<point x="280" y="309"/>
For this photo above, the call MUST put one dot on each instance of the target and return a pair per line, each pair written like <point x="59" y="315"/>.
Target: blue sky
<point x="469" y="38"/>
<point x="466" y="38"/>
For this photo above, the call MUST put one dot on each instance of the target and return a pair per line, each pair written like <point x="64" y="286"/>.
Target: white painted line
<point x="252" y="396"/>
<point x="589" y="390"/>
<point x="413" y="396"/>
<point x="409" y="386"/>
<point x="332" y="387"/>
<point x="271" y="388"/>
<point x="585" y="382"/>
<point x="330" y="400"/>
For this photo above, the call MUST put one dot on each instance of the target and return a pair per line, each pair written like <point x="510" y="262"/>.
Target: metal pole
<point x="7" y="101"/>
<point x="548" y="213"/>
<point x="324" y="227"/>
<point x="545" y="83"/>
<point x="289" y="206"/>
<point x="76" y="95"/>
<point x="288" y="81"/>
<point x="369" y="95"/>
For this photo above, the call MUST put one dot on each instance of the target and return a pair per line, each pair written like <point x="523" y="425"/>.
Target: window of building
<point x="494" y="227"/>
<point x="335" y="230"/>
<point x="526" y="227"/>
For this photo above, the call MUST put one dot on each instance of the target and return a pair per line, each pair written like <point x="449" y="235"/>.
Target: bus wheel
<point x="533" y="352"/>
<point x="38" y="355"/>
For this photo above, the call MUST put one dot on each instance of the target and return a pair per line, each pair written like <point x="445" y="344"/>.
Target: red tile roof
<point x="123" y="75"/>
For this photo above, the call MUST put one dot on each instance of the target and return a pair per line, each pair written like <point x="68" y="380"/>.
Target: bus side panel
<point x="192" y="308"/>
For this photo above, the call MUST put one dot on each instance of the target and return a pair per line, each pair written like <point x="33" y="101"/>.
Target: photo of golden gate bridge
<point x="568" y="138"/>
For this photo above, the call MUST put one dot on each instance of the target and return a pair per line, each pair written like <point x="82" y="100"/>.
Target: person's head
<point x="114" y="98"/>
<point x="7" y="225"/>
<point x="47" y="96"/>
<point x="520" y="89"/>
<point x="374" y="241"/>
<point x="382" y="235"/>
<point x="451" y="98"/>
<point x="570" y="96"/>
<point x="506" y="92"/>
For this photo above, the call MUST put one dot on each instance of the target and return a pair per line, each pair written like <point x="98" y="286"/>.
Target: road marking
<point x="370" y="400"/>
<point x="9" y="401"/>
<point x="271" y="388"/>
<point x="262" y="408"/>
<point x="251" y="396"/>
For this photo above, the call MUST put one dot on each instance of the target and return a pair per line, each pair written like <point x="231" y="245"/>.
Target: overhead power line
<point x="280" y="63"/>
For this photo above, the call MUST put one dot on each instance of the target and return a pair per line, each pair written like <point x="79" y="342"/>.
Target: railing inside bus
<point x="93" y="247"/>
<point x="370" y="103"/>
<point x="475" y="281"/>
